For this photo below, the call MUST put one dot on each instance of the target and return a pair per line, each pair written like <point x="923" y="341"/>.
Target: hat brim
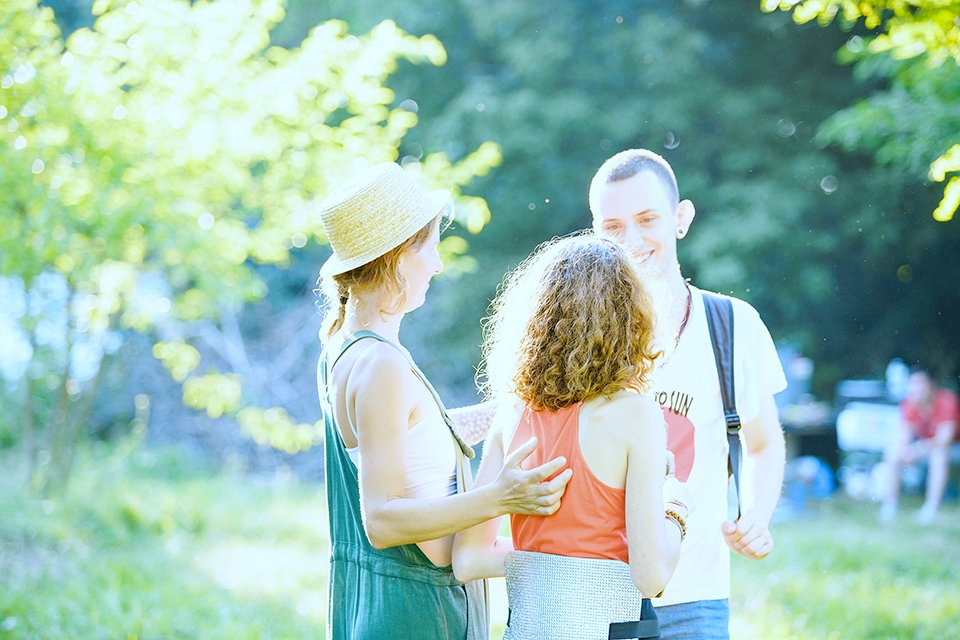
<point x="437" y="202"/>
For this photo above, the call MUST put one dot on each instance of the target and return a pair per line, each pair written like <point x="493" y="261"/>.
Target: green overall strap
<point x="359" y="335"/>
<point x="720" y="322"/>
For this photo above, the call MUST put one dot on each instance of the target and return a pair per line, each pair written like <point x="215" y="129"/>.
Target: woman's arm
<point x="478" y="552"/>
<point x="654" y="541"/>
<point x="380" y="396"/>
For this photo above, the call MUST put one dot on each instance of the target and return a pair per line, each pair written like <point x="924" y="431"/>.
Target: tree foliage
<point x="149" y="165"/>
<point x="925" y="94"/>
<point x="910" y="27"/>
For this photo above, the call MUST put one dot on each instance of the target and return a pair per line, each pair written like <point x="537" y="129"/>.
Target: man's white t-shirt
<point x="687" y="387"/>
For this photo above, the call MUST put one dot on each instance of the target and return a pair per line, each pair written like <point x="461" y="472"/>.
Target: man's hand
<point x="748" y="537"/>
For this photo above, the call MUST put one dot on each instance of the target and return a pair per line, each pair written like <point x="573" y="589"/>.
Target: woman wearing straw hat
<point x="396" y="476"/>
<point x="571" y="340"/>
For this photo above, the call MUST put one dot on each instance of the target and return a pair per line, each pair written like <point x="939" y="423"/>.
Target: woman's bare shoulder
<point x="379" y="367"/>
<point x="628" y="401"/>
<point x="628" y="412"/>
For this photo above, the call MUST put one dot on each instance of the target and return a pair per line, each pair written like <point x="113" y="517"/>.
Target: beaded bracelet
<point x="673" y="515"/>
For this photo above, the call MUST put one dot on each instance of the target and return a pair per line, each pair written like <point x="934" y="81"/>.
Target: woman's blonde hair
<point x="572" y="321"/>
<point x="381" y="274"/>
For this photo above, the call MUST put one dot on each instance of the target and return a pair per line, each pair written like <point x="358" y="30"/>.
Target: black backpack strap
<point x="646" y="628"/>
<point x="720" y="323"/>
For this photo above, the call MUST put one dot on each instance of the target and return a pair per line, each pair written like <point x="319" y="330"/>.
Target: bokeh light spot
<point x="786" y="128"/>
<point x="24" y="73"/>
<point x="141" y="401"/>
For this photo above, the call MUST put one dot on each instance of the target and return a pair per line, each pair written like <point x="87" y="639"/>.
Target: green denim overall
<point x="395" y="592"/>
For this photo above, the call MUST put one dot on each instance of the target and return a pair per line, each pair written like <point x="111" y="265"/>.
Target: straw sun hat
<point x="373" y="212"/>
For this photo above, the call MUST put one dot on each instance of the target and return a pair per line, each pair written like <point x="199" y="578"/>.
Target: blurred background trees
<point x="917" y="116"/>
<point x="807" y="158"/>
<point x="186" y="159"/>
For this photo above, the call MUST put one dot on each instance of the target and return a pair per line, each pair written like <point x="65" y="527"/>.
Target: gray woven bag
<point x="561" y="598"/>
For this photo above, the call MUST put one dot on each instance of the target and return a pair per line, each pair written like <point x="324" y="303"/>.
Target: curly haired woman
<point x="572" y="341"/>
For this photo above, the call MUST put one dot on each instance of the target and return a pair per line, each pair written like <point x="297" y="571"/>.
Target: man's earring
<point x="681" y="232"/>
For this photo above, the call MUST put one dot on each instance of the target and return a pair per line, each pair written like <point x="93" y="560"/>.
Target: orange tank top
<point x="591" y="521"/>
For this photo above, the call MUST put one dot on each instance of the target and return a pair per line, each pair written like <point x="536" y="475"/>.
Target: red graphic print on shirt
<point x="680" y="442"/>
<point x="676" y="406"/>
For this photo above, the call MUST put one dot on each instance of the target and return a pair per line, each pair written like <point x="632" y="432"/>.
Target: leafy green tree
<point x="922" y="101"/>
<point x="910" y="27"/>
<point x="148" y="166"/>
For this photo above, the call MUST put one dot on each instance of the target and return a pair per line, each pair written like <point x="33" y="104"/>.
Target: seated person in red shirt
<point x="928" y="432"/>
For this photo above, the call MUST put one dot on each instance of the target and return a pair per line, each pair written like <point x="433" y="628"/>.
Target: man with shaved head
<point x="635" y="200"/>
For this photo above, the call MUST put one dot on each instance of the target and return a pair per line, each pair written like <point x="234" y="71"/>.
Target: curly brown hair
<point x="381" y="273"/>
<point x="573" y="321"/>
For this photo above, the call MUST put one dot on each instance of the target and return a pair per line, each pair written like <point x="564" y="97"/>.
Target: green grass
<point x="837" y="573"/>
<point x="154" y="545"/>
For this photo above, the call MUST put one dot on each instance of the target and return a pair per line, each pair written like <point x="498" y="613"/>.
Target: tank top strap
<point x="360" y="335"/>
<point x="323" y="371"/>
